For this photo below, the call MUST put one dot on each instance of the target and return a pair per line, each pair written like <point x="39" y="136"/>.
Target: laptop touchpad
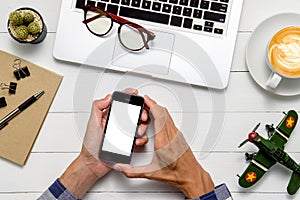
<point x="155" y="60"/>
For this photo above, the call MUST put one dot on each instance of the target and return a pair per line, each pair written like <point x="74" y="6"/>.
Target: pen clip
<point x="3" y="125"/>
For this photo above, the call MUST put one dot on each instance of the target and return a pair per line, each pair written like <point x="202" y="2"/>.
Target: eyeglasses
<point x="131" y="35"/>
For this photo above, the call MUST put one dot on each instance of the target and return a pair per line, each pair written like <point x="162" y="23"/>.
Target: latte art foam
<point x="284" y="52"/>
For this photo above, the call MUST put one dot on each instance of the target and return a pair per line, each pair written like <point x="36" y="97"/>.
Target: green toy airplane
<point x="270" y="152"/>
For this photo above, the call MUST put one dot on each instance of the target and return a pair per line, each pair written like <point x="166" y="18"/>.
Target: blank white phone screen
<point x="121" y="127"/>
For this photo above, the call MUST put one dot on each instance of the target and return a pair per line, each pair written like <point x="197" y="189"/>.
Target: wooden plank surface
<point x="62" y="133"/>
<point x="195" y="111"/>
<point x="43" y="168"/>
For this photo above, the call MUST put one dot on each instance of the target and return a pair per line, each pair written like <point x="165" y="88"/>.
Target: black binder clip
<point x="20" y="72"/>
<point x="2" y="102"/>
<point x="12" y="87"/>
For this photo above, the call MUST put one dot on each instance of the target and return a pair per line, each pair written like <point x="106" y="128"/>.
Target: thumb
<point x="131" y="171"/>
<point x="102" y="104"/>
<point x="157" y="111"/>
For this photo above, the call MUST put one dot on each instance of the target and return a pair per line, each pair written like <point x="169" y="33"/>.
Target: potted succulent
<point x="26" y="25"/>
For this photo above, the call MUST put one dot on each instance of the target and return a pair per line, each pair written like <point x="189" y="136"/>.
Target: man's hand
<point x="86" y="169"/>
<point x="173" y="161"/>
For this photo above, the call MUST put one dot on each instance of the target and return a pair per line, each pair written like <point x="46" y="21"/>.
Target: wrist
<point x="78" y="177"/>
<point x="198" y="184"/>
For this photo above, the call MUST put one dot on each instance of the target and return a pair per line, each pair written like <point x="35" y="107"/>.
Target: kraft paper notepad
<point x="18" y="137"/>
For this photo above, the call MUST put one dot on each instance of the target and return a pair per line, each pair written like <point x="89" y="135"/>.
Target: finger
<point x="159" y="113"/>
<point x="102" y="104"/>
<point x="122" y="167"/>
<point x="141" y="141"/>
<point x="130" y="171"/>
<point x="142" y="137"/>
<point x="154" y="108"/>
<point x="131" y="91"/>
<point x="105" y="113"/>
<point x="142" y="130"/>
<point x="145" y="115"/>
<point x="149" y="102"/>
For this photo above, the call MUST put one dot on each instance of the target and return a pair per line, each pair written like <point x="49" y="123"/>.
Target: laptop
<point x="194" y="40"/>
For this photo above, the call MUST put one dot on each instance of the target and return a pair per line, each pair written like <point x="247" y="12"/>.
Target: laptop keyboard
<point x="206" y="17"/>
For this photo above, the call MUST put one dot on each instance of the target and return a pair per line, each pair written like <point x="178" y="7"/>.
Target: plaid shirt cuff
<point x="221" y="192"/>
<point x="57" y="191"/>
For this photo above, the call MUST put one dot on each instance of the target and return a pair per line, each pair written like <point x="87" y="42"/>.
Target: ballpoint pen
<point x="20" y="108"/>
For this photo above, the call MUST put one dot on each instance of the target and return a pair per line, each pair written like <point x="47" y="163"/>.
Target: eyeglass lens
<point x="101" y="25"/>
<point x="129" y="36"/>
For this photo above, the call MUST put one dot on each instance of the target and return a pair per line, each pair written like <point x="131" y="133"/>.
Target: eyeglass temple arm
<point x="140" y="28"/>
<point x="122" y="20"/>
<point x="145" y="41"/>
<point x="86" y="21"/>
<point x="119" y="19"/>
<point x="116" y="18"/>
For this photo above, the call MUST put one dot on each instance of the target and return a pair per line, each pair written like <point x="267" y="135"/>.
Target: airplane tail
<point x="294" y="184"/>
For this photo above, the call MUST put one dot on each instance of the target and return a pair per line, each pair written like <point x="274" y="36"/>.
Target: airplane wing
<point x="284" y="129"/>
<point x="259" y="165"/>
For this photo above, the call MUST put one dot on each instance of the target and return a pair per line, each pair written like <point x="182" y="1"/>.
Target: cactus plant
<point x="26" y="26"/>
<point x="34" y="28"/>
<point x="22" y="32"/>
<point x="28" y="18"/>
<point x="16" y="18"/>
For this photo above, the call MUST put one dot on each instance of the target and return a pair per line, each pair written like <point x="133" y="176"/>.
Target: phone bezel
<point x="112" y="157"/>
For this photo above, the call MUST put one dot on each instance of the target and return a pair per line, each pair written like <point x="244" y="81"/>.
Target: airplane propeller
<point x="247" y="140"/>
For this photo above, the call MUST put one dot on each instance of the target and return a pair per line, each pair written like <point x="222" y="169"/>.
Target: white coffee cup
<point x="283" y="56"/>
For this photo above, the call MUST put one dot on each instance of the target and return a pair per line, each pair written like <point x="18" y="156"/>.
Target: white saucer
<point x="256" y="52"/>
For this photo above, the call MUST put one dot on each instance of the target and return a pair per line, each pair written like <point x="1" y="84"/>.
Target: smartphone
<point x="121" y="128"/>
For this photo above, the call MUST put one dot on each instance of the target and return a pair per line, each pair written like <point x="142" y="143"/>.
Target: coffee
<point x="284" y="52"/>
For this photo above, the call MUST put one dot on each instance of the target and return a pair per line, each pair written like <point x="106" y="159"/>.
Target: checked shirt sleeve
<point x="221" y="192"/>
<point x="57" y="191"/>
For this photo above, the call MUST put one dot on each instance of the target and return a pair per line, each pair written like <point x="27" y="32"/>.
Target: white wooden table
<point x="245" y="104"/>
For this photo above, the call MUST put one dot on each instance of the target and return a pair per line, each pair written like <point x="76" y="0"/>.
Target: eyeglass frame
<point x="121" y="21"/>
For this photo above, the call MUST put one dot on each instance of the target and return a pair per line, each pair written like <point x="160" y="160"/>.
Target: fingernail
<point x="137" y="142"/>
